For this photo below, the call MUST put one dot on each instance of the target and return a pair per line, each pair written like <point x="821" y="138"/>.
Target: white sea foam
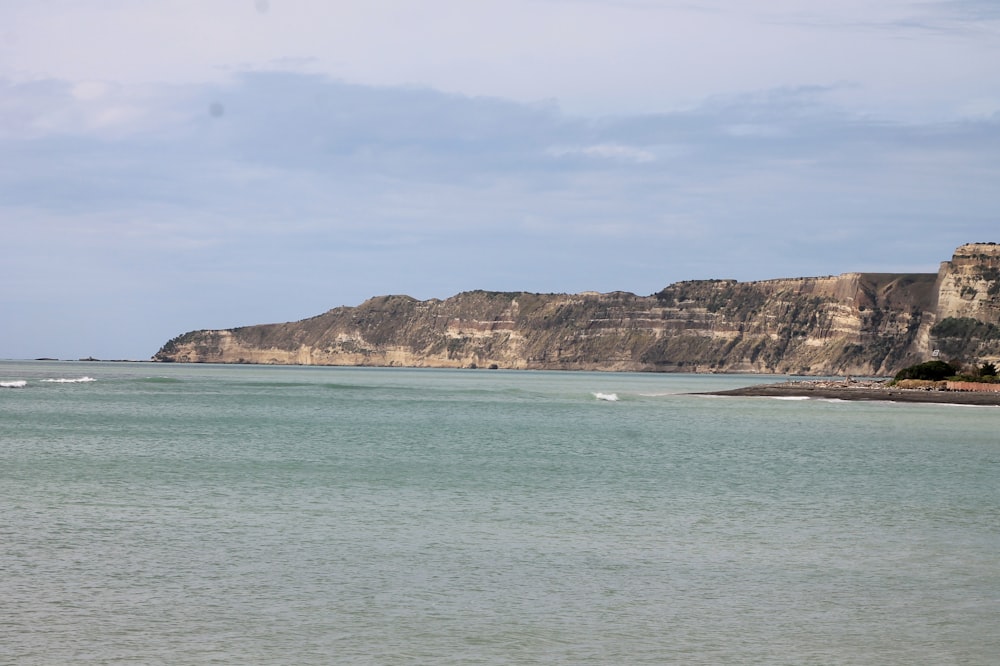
<point x="610" y="397"/>
<point x="63" y="380"/>
<point x="791" y="397"/>
<point x="17" y="383"/>
<point x="948" y="404"/>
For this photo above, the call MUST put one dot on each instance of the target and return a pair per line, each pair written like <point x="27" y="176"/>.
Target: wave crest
<point x="63" y="380"/>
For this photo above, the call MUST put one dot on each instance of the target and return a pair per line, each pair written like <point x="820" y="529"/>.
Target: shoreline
<point x="860" y="390"/>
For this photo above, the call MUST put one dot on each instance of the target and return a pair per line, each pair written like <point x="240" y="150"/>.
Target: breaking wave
<point x="610" y="397"/>
<point x="16" y="383"/>
<point x="62" y="380"/>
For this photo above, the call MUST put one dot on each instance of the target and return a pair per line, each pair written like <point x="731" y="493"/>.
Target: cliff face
<point x="968" y="304"/>
<point x="969" y="284"/>
<point x="856" y="323"/>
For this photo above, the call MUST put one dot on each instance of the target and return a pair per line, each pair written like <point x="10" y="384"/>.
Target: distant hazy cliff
<point x="856" y="323"/>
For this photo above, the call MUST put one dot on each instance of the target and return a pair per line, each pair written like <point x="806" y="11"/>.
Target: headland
<point x="858" y="324"/>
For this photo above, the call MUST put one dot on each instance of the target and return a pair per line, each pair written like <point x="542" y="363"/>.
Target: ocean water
<point x="188" y="514"/>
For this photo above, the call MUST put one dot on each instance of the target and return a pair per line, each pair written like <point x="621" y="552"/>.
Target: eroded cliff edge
<point x="855" y="323"/>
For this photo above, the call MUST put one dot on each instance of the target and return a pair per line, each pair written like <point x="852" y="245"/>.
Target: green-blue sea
<point x="199" y="514"/>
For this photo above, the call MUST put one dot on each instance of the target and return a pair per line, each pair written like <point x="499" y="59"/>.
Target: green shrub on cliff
<point x="931" y="370"/>
<point x="965" y="328"/>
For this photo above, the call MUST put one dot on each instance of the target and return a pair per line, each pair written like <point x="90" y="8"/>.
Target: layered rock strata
<point x="855" y="323"/>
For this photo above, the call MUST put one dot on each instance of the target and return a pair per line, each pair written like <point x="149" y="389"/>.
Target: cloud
<point x="308" y="152"/>
<point x="596" y="57"/>
<point x="35" y="109"/>
<point x="967" y="10"/>
<point x="611" y="151"/>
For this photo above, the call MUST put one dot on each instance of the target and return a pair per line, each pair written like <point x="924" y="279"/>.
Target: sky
<point x="167" y="166"/>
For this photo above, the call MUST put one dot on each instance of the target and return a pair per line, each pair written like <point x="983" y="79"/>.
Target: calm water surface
<point x="177" y="514"/>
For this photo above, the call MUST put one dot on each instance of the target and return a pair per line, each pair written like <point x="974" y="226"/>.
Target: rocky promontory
<point x="854" y="323"/>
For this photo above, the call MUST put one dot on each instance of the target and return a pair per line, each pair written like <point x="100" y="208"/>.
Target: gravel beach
<point x="861" y="390"/>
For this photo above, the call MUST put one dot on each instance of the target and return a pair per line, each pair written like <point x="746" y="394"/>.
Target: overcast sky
<point x="176" y="165"/>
